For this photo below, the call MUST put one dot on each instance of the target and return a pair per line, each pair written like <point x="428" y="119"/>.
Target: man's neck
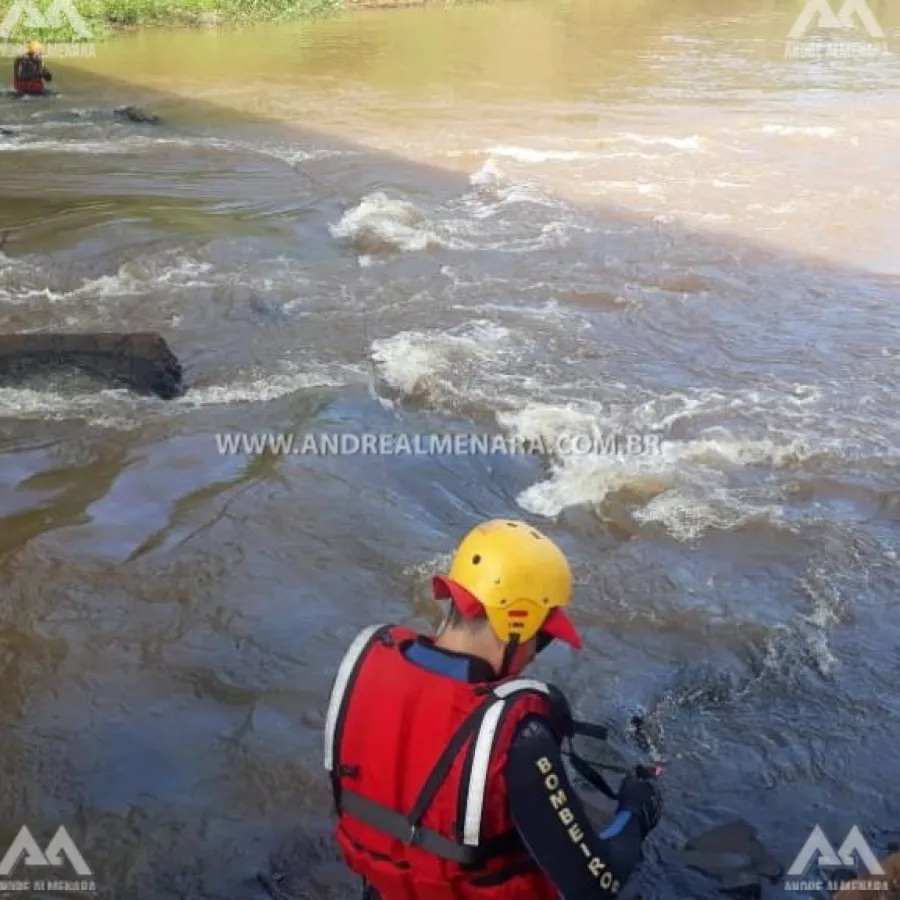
<point x="460" y="666"/>
<point x="463" y="643"/>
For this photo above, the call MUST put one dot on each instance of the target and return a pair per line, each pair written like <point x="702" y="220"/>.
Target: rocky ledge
<point x="142" y="362"/>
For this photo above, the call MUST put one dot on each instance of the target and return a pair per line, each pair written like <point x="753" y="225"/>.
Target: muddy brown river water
<point x="535" y="219"/>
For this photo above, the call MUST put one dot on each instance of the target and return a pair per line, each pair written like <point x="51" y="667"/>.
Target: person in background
<point x="29" y="73"/>
<point x="445" y="766"/>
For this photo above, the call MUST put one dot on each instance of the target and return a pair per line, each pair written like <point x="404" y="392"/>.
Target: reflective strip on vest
<point x="339" y="691"/>
<point x="481" y="761"/>
<point x="481" y="758"/>
<point x="520" y="684"/>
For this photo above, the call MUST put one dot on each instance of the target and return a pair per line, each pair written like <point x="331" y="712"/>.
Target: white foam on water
<point x="130" y="280"/>
<point x="531" y="155"/>
<point x="628" y="154"/>
<point x="822" y="131"/>
<point x="380" y="223"/>
<point x="684" y="481"/>
<point x="290" y="154"/>
<point x="504" y="191"/>
<point x="116" y="409"/>
<point x="549" y="310"/>
<point x="639" y="187"/>
<point x="494" y="189"/>
<point x="704" y="216"/>
<point x="490" y="214"/>
<point x="689" y="514"/>
<point x="28" y="295"/>
<point x="415" y="362"/>
<point x="422" y="572"/>
<point x="126" y="144"/>
<point x="14" y="264"/>
<point x="487" y="216"/>
<point x="694" y="142"/>
<point x="688" y="485"/>
<point x="537" y="156"/>
<point x="784" y="404"/>
<point x="124" y="411"/>
<point x="722" y="183"/>
<point x="824" y="586"/>
<point x="682" y="39"/>
<point x="184" y="273"/>
<point x="269" y="387"/>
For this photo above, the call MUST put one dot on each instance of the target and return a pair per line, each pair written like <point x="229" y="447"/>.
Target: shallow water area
<point x="533" y="219"/>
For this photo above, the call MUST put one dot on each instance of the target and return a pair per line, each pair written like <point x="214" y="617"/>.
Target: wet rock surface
<point x="137" y="115"/>
<point x="142" y="362"/>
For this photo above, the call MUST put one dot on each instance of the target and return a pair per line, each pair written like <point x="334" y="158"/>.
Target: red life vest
<point x="28" y="87"/>
<point x="417" y="765"/>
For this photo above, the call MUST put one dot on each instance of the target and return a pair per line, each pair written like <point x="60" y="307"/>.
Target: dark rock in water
<point x="141" y="361"/>
<point x="9" y="132"/>
<point x="138" y="115"/>
<point x="733" y="855"/>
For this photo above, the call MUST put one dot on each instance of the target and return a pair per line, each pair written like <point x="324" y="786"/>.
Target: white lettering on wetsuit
<point x="560" y="802"/>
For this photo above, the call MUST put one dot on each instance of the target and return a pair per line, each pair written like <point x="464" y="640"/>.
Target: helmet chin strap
<point x="446" y="620"/>
<point x="509" y="651"/>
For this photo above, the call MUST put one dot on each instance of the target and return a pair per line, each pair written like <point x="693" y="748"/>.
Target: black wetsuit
<point x="546" y="810"/>
<point x="553" y="825"/>
<point x="29" y="74"/>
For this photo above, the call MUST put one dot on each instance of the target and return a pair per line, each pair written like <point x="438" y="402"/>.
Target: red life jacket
<point x="417" y="765"/>
<point x="28" y="87"/>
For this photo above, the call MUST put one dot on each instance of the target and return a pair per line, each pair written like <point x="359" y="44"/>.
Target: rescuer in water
<point x="29" y="73"/>
<point x="446" y="767"/>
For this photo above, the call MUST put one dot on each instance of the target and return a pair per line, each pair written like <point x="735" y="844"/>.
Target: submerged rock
<point x="141" y="361"/>
<point x="733" y="855"/>
<point x="138" y="115"/>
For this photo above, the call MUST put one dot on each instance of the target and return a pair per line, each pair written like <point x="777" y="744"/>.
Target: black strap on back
<point x="509" y="651"/>
<point x="444" y="764"/>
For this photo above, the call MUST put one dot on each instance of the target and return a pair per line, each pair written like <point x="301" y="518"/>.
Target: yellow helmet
<point x="517" y="576"/>
<point x="35" y="47"/>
